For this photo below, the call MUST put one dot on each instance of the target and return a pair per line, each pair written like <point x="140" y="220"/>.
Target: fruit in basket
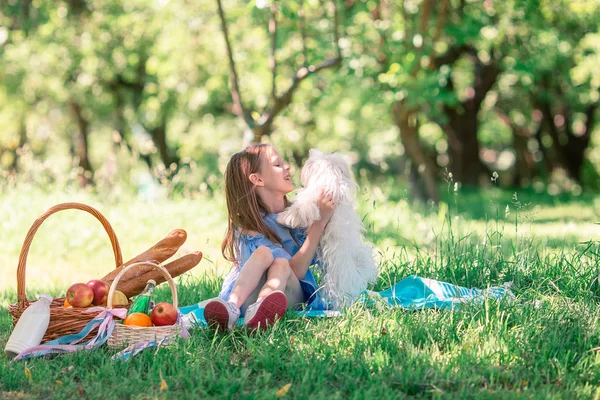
<point x="138" y="319"/>
<point x="80" y="295"/>
<point x="164" y="314"/>
<point x="119" y="299"/>
<point x="66" y="304"/>
<point x="100" y="289"/>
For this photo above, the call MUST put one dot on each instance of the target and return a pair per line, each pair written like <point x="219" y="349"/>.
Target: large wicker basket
<point x="63" y="321"/>
<point x="124" y="335"/>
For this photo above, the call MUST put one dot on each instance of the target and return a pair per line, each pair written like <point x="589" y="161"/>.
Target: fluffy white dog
<point x="347" y="261"/>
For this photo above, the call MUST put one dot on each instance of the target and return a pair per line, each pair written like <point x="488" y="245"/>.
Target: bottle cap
<point x="46" y="296"/>
<point x="152" y="281"/>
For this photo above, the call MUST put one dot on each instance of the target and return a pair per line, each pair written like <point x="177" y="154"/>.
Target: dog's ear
<point x="339" y="161"/>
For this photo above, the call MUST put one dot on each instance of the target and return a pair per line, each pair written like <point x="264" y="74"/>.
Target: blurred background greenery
<point x="146" y="96"/>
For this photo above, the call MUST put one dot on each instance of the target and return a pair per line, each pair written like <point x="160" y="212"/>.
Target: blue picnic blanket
<point x="411" y="293"/>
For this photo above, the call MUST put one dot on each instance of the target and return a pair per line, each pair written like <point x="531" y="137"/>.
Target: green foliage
<point x="135" y="66"/>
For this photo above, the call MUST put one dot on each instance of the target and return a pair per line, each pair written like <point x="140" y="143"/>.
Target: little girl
<point x="271" y="262"/>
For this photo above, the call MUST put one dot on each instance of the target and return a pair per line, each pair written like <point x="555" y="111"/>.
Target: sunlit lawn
<point x="544" y="344"/>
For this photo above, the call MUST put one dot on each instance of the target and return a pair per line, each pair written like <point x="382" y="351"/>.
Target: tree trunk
<point x="424" y="184"/>
<point x="570" y="147"/>
<point x="463" y="125"/>
<point x="80" y="143"/>
<point x="525" y="168"/>
<point x="159" y="137"/>
<point x="574" y="156"/>
<point x="260" y="130"/>
<point x="463" y="146"/>
<point x="574" y="151"/>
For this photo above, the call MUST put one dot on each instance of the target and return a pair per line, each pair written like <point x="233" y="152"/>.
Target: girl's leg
<point x="254" y="295"/>
<point x="281" y="288"/>
<point x="281" y="277"/>
<point x="250" y="275"/>
<point x="224" y="314"/>
<point x="271" y="281"/>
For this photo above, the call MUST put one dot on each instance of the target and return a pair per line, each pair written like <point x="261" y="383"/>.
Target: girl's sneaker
<point x="221" y="314"/>
<point x="264" y="312"/>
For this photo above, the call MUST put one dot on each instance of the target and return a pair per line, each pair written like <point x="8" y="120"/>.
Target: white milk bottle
<point x="30" y="328"/>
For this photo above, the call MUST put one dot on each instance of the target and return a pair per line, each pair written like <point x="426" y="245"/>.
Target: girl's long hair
<point x="244" y="207"/>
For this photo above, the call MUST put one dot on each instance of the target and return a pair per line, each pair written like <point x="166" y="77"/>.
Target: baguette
<point x="135" y="286"/>
<point x="160" y="252"/>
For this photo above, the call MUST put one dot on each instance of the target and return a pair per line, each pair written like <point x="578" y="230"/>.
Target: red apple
<point x="100" y="289"/>
<point x="80" y="295"/>
<point x="164" y="314"/>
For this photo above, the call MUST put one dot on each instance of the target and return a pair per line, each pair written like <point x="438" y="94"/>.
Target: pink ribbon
<point x="117" y="312"/>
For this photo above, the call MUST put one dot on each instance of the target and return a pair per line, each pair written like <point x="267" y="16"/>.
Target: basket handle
<point x="21" y="295"/>
<point x="159" y="267"/>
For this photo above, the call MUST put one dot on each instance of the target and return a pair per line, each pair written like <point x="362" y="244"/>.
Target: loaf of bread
<point x="160" y="252"/>
<point x="136" y="285"/>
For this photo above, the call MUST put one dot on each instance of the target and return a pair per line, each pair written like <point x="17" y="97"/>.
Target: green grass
<point x="544" y="344"/>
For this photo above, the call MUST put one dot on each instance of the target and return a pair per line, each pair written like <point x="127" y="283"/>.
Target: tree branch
<point x="590" y="112"/>
<point x="336" y="30"/>
<point x="235" y="89"/>
<point x="380" y="13"/>
<point x="423" y="22"/>
<point x="439" y="26"/>
<point x="484" y="80"/>
<point x="285" y="99"/>
<point x="272" y="58"/>
<point x="567" y="124"/>
<point x="301" y="18"/>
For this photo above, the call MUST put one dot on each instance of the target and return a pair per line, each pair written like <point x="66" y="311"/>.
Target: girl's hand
<point x="326" y="207"/>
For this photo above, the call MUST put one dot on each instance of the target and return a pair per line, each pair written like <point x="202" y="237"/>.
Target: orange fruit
<point x="67" y="305"/>
<point x="138" y="319"/>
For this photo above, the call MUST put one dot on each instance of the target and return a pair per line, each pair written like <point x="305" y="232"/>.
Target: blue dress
<point x="291" y="240"/>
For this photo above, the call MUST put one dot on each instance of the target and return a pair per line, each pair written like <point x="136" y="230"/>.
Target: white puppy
<point x="347" y="261"/>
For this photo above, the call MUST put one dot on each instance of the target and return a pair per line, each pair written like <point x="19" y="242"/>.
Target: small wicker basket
<point x="124" y="335"/>
<point x="63" y="321"/>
